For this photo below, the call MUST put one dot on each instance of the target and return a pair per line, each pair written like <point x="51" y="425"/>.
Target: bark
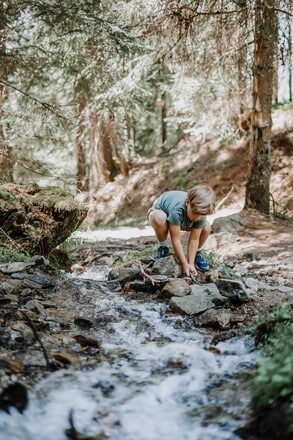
<point x="102" y="165"/>
<point x="82" y="182"/>
<point x="258" y="185"/>
<point x="290" y="56"/>
<point x="163" y="119"/>
<point x="106" y="158"/>
<point x="6" y="156"/>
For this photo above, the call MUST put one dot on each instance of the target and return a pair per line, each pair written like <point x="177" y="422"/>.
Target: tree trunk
<point x="82" y="182"/>
<point x="102" y="165"/>
<point x="163" y="119"/>
<point x="258" y="184"/>
<point x="290" y="55"/>
<point x="6" y="157"/>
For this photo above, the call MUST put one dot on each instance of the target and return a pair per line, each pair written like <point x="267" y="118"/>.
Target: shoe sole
<point x="202" y="270"/>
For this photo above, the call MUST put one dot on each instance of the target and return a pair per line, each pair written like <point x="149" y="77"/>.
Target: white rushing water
<point x="158" y="382"/>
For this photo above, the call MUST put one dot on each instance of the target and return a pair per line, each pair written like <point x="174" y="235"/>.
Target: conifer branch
<point x="49" y="107"/>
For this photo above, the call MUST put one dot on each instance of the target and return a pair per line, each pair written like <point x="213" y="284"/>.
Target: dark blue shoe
<point x="200" y="262"/>
<point x="163" y="251"/>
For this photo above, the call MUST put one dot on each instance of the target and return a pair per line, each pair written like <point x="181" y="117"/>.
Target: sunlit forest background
<point x="88" y="88"/>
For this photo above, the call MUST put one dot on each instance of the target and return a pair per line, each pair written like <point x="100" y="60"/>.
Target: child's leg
<point x="206" y="230"/>
<point x="200" y="262"/>
<point x="158" y="221"/>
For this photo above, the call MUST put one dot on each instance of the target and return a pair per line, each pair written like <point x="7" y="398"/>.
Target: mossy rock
<point x="37" y="220"/>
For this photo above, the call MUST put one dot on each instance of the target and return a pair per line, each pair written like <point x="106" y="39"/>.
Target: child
<point x="176" y="211"/>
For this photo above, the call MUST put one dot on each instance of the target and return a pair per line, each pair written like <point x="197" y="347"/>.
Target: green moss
<point x="12" y="254"/>
<point x="132" y="256"/>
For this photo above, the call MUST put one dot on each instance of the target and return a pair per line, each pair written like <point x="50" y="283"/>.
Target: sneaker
<point x="200" y="262"/>
<point x="163" y="251"/>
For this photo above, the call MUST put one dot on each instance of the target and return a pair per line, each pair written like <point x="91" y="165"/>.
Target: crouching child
<point x="176" y="211"/>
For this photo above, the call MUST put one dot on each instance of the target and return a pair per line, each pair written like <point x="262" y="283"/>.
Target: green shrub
<point x="274" y="379"/>
<point x="224" y="270"/>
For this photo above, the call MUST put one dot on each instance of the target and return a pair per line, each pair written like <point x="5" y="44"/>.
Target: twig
<point x="6" y="235"/>
<point x="147" y="275"/>
<point x="33" y="327"/>
<point x="71" y="433"/>
<point x="274" y="203"/>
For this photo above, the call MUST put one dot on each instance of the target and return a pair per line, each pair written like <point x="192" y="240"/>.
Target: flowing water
<point x="160" y="380"/>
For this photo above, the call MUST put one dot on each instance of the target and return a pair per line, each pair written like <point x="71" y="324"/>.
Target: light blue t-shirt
<point x="173" y="203"/>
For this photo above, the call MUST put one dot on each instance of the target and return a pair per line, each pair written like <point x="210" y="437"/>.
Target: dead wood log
<point x="37" y="220"/>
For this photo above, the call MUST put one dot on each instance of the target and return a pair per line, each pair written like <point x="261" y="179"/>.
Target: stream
<point x="161" y="378"/>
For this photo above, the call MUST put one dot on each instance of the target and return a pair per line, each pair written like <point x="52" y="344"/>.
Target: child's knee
<point x="158" y="218"/>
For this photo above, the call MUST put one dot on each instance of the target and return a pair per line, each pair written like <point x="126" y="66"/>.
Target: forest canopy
<point x="87" y="87"/>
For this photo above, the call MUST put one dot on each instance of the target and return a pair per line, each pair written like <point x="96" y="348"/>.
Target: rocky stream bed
<point x="130" y="350"/>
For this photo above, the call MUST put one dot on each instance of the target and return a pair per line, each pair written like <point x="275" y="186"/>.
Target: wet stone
<point x="35" y="306"/>
<point x="215" y="318"/>
<point x="233" y="289"/>
<point x="15" y="267"/>
<point x="167" y="266"/>
<point x="211" y="291"/>
<point x="140" y="286"/>
<point x="105" y="386"/>
<point x="176" y="287"/>
<point x="191" y="304"/>
<point x="251" y="283"/>
<point x="83" y="322"/>
<point x="8" y="299"/>
<point x="41" y="281"/>
<point x="125" y="274"/>
<point x="10" y="286"/>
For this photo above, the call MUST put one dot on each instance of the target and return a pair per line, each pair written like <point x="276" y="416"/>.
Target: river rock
<point x="125" y="274"/>
<point x="140" y="286"/>
<point x="233" y="289"/>
<point x="214" y="318"/>
<point x="251" y="283"/>
<point x="176" y="287"/>
<point x="15" y="267"/>
<point x="191" y="304"/>
<point x="11" y="286"/>
<point x="232" y="223"/>
<point x="211" y="291"/>
<point x="39" y="280"/>
<point x="35" y="306"/>
<point x="167" y="266"/>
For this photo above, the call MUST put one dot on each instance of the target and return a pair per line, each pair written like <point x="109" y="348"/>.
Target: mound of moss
<point x="36" y="220"/>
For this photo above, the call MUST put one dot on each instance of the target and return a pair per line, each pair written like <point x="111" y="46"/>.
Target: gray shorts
<point x="152" y="209"/>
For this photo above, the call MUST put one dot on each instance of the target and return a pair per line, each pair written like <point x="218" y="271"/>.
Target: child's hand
<point x="189" y="269"/>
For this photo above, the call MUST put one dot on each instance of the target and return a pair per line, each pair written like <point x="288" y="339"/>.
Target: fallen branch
<point x="221" y="202"/>
<point x="153" y="281"/>
<point x="33" y="327"/>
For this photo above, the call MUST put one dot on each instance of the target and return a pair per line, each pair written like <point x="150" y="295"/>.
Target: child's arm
<point x="193" y="242"/>
<point x="175" y="235"/>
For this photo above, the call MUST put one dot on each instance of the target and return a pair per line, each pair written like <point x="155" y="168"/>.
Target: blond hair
<point x="201" y="199"/>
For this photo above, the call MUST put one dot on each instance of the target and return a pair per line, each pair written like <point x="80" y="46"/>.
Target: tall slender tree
<point x="266" y="30"/>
